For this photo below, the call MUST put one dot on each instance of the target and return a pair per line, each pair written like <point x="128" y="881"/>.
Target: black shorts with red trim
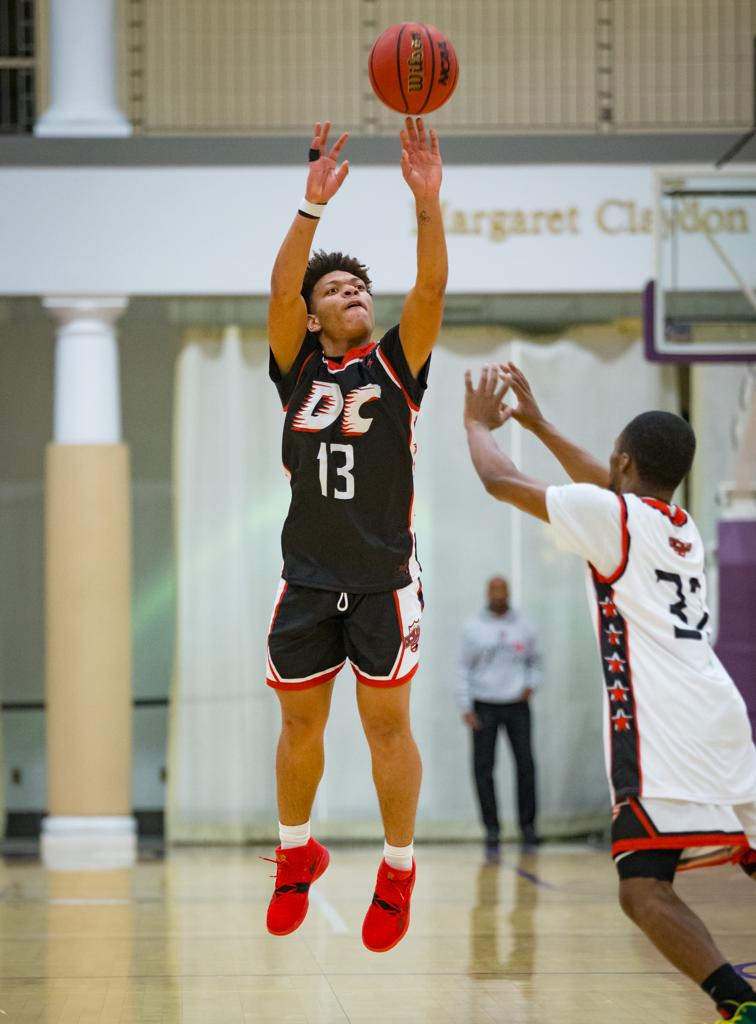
<point x="314" y="632"/>
<point x="655" y="838"/>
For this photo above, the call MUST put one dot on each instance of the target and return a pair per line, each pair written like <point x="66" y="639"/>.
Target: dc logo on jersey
<point x="325" y="403"/>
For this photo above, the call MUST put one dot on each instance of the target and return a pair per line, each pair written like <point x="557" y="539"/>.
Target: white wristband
<point x="311" y="209"/>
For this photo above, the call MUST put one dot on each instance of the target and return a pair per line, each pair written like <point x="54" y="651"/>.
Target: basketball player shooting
<point x="678" y="747"/>
<point x="350" y="587"/>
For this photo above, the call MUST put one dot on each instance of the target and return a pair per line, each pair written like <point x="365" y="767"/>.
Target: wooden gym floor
<point x="183" y="941"/>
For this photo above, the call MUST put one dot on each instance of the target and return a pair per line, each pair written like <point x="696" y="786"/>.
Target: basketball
<point x="413" y="68"/>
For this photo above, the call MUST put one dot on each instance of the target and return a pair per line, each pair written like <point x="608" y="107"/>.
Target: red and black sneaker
<point x="388" y="916"/>
<point x="297" y="869"/>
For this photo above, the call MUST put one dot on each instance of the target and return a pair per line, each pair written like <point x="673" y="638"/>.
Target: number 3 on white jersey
<point x="678" y="608"/>
<point x="344" y="471"/>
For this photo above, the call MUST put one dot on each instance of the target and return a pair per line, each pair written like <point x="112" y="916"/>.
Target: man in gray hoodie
<point x="499" y="668"/>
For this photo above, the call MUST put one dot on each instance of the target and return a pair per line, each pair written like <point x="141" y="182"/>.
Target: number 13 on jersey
<point x="341" y="457"/>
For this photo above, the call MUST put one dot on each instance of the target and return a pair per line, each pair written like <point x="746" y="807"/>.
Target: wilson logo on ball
<point x="416" y="64"/>
<point x="413" y="68"/>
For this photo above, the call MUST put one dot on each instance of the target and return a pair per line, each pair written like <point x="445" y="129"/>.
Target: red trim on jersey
<point x="642" y="817"/>
<point x="305" y="684"/>
<point x="384" y="684"/>
<point x="724" y="856"/>
<point x="351" y="356"/>
<point x="635" y="706"/>
<point x="656" y="840"/>
<point x="278" y="605"/>
<point x="676" y="516"/>
<point x="301" y="371"/>
<point x="625" y="547"/>
<point x="680" y="841"/>
<point x="273" y="671"/>
<point x="410" y="518"/>
<point x="395" y="673"/>
<point x="394" y="376"/>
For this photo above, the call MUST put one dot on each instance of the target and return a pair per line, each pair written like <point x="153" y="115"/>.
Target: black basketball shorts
<point x="655" y="838"/>
<point x="314" y="632"/>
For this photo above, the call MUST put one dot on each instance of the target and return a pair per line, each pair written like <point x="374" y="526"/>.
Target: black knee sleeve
<point x="659" y="864"/>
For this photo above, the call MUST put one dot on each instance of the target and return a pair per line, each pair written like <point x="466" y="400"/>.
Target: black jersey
<point x="349" y="452"/>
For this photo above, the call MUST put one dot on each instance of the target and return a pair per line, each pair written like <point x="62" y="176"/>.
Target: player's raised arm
<point x="485" y="410"/>
<point x="287" y="313"/>
<point x="424" y="306"/>
<point x="580" y="465"/>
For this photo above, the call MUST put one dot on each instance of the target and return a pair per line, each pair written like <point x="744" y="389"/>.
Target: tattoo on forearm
<point x="423" y="217"/>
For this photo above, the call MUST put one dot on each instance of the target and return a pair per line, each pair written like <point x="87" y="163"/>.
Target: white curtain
<point x="229" y="503"/>
<point x="231" y="499"/>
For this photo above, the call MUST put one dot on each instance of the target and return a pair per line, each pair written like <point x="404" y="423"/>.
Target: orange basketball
<point x="413" y="68"/>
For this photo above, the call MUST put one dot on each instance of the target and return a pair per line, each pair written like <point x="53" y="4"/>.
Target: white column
<point x="90" y="824"/>
<point x="83" y="71"/>
<point x="87" y="402"/>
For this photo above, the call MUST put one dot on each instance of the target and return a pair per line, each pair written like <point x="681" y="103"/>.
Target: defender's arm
<point x="485" y="410"/>
<point x="579" y="464"/>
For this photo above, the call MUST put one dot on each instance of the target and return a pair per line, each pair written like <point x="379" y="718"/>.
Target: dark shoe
<point x="493" y="853"/>
<point x="530" y="838"/>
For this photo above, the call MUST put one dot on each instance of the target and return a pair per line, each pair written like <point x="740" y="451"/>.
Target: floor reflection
<point x="502" y="930"/>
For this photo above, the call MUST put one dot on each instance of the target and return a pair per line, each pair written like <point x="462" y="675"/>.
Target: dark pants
<point x="515" y="718"/>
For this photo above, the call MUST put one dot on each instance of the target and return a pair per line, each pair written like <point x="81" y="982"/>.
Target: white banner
<point x="215" y="231"/>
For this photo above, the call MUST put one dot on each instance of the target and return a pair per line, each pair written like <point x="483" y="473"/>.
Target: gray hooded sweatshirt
<point x="499" y="658"/>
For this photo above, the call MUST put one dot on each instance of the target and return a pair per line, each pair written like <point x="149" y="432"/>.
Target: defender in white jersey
<point x="680" y="756"/>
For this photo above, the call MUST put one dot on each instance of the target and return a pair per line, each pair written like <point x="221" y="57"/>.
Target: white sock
<point x="399" y="857"/>
<point x="293" y="835"/>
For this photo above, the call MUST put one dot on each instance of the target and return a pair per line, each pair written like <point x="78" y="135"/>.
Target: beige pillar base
<point x="88" y="843"/>
<point x="88" y="659"/>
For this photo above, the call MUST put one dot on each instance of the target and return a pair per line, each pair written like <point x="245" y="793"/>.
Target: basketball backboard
<point x="702" y="302"/>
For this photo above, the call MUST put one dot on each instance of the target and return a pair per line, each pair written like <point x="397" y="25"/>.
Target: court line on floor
<point x="533" y="878"/>
<point x="329" y="912"/>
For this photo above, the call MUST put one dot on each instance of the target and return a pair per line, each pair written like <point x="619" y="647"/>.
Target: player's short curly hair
<point x="322" y="263"/>
<point x="662" y="445"/>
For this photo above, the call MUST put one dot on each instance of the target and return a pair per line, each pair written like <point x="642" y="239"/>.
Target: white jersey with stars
<point x="675" y="725"/>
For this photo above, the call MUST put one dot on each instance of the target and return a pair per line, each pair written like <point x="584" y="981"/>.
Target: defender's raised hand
<point x="485" y="403"/>
<point x="421" y="158"/>
<point x="526" y="412"/>
<point x="325" y="177"/>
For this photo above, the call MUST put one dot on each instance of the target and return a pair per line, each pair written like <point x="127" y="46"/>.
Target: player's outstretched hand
<point x="485" y="403"/>
<point x="421" y="158"/>
<point x="325" y="177"/>
<point x="526" y="412"/>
